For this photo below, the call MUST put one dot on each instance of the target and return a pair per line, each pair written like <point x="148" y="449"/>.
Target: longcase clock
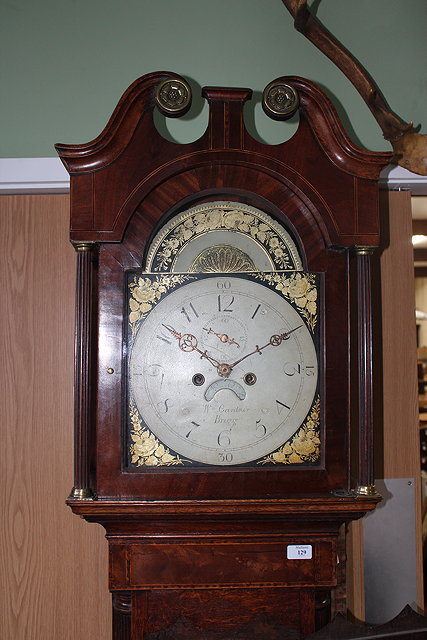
<point x="223" y="371"/>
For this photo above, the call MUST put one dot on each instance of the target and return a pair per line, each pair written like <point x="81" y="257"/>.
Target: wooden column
<point x="83" y="330"/>
<point x="122" y="615"/>
<point x="366" y="484"/>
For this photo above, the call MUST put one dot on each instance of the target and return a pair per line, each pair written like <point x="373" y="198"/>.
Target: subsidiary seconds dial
<point x="223" y="370"/>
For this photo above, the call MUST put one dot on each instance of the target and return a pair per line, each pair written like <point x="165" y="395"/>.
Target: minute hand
<point x="275" y="340"/>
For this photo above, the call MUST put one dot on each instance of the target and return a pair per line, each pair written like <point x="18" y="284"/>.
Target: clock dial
<point x="223" y="369"/>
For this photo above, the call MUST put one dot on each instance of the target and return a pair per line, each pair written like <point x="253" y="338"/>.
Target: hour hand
<point x="187" y="343"/>
<point x="173" y="331"/>
<point x="222" y="336"/>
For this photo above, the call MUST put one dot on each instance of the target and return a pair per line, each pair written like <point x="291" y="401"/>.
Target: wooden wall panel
<point x="401" y="437"/>
<point x="355" y="573"/>
<point x="53" y="566"/>
<point x="397" y="435"/>
<point x="401" y="445"/>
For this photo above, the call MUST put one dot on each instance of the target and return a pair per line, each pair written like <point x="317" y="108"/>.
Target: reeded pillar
<point x="122" y="615"/>
<point x="83" y="331"/>
<point x="366" y="485"/>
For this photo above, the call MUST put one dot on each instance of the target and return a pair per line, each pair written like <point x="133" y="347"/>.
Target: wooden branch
<point x="410" y="148"/>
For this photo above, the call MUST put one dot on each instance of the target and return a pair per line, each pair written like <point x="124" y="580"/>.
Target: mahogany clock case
<point x="113" y="267"/>
<point x="130" y="181"/>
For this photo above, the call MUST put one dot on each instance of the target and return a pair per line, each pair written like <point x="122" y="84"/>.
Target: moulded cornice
<point x="331" y="135"/>
<point x="310" y="505"/>
<point x="137" y="100"/>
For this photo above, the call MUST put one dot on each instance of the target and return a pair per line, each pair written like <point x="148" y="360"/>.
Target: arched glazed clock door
<point x="223" y="316"/>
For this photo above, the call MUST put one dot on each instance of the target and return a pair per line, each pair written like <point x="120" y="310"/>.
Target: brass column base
<point x="81" y="494"/>
<point x="368" y="491"/>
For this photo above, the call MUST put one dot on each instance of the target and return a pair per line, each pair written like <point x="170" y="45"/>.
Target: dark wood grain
<point x="122" y="615"/>
<point x="365" y="369"/>
<point x="228" y="564"/>
<point x="227" y="611"/>
<point x="114" y="173"/>
<point x="82" y="370"/>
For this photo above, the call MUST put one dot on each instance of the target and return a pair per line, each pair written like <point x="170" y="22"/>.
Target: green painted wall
<point x="65" y="63"/>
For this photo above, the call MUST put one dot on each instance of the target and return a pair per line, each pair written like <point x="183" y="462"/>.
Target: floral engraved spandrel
<point x="227" y="219"/>
<point x="304" y="446"/>
<point x="300" y="288"/>
<point x="145" y="292"/>
<point x="145" y="449"/>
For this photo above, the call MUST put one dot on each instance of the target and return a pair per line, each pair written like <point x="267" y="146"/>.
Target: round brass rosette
<point x="280" y="101"/>
<point x="173" y="97"/>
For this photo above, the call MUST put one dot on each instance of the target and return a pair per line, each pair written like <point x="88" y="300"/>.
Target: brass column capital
<point x="362" y="250"/>
<point x="82" y="247"/>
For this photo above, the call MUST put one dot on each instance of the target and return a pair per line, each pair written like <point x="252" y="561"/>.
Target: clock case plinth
<point x="214" y="566"/>
<point x="125" y="185"/>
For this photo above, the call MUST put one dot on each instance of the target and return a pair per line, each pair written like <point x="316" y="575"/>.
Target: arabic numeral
<point x="195" y="425"/>
<point x="256" y="311"/>
<point x="291" y="368"/>
<point x="225" y="457"/>
<point x="280" y="406"/>
<point x="225" y="303"/>
<point x="260" y="429"/>
<point x="224" y="439"/>
<point x="155" y="371"/>
<point x="164" y="338"/>
<point x="223" y="284"/>
<point x="295" y="368"/>
<point x="187" y="312"/>
<point x="163" y="406"/>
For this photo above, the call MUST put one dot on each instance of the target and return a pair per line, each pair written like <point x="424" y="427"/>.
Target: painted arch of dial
<point x="267" y="243"/>
<point x="223" y="370"/>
